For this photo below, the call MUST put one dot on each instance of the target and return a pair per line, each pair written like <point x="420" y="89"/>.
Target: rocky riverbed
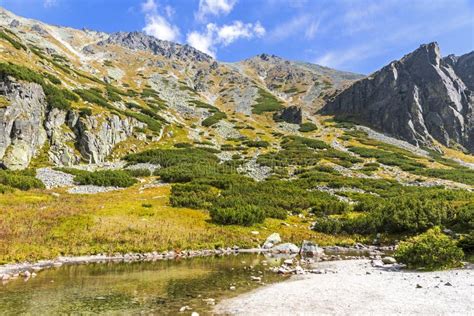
<point x="360" y="287"/>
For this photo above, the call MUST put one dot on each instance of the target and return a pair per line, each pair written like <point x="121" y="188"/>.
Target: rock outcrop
<point x="420" y="98"/>
<point x="27" y="125"/>
<point x="291" y="114"/>
<point x="21" y="122"/>
<point x="141" y="41"/>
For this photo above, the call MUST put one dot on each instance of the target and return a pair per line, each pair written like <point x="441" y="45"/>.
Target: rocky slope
<point x="175" y="84"/>
<point x="422" y="98"/>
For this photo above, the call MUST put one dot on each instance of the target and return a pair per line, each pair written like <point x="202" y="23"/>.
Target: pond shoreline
<point x="30" y="269"/>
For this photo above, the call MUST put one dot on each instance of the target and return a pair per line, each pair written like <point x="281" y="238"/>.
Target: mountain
<point x="422" y="98"/>
<point x="128" y="90"/>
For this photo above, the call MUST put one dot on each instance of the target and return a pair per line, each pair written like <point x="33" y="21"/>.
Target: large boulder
<point x="271" y="241"/>
<point x="285" y="248"/>
<point x="310" y="249"/>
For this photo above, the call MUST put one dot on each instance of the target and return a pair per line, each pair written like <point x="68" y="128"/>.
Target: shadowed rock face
<point x="420" y="98"/>
<point x="291" y="114"/>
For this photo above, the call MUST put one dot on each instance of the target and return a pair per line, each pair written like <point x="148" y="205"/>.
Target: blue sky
<point x="354" y="35"/>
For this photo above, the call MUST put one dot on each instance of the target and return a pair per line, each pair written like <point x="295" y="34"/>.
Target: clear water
<point x="150" y="288"/>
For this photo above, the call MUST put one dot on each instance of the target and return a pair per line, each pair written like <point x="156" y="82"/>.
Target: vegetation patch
<point x="307" y="127"/>
<point x="16" y="44"/>
<point x="103" y="178"/>
<point x="431" y="250"/>
<point x="266" y="102"/>
<point x="213" y="119"/>
<point x="56" y="98"/>
<point x="23" y="180"/>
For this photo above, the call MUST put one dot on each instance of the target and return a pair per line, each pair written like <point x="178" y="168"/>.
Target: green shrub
<point x="5" y="189"/>
<point x="213" y="119"/>
<point x="183" y="145"/>
<point x="11" y="40"/>
<point x="55" y="80"/>
<point x="266" y="102"/>
<point x="193" y="195"/>
<point x="328" y="207"/>
<point x="307" y="127"/>
<point x="466" y="243"/>
<point x="245" y="215"/>
<point x="95" y="96"/>
<point x="136" y="173"/>
<point x="389" y="158"/>
<point x="23" y="180"/>
<point x="56" y="98"/>
<point x="204" y="105"/>
<point x="257" y="143"/>
<point x="105" y="178"/>
<point x="83" y="112"/>
<point x="431" y="250"/>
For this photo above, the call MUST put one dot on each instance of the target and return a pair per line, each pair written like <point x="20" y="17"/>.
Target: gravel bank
<point x="54" y="179"/>
<point x="357" y="288"/>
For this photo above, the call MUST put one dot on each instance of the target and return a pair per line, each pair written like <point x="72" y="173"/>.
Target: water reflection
<point x="160" y="287"/>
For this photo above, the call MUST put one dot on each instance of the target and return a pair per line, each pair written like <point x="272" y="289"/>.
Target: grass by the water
<point x="37" y="224"/>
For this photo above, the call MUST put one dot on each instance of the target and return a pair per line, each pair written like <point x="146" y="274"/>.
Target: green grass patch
<point x="307" y="127"/>
<point x="266" y="102"/>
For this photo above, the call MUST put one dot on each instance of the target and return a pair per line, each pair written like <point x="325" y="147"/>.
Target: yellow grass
<point x="36" y="225"/>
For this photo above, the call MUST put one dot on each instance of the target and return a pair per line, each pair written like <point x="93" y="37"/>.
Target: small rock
<point x="256" y="279"/>
<point x="209" y="301"/>
<point x="418" y="286"/>
<point x="448" y="284"/>
<point x="254" y="232"/>
<point x="389" y="260"/>
<point x="194" y="314"/>
<point x="232" y="288"/>
<point x="377" y="263"/>
<point x="185" y="308"/>
<point x="288" y="262"/>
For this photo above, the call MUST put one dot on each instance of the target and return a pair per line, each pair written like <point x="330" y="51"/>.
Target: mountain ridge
<point x="419" y="98"/>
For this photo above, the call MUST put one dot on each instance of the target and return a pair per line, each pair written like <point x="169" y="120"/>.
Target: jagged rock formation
<point x="291" y="114"/>
<point x="26" y="125"/>
<point x="420" y="98"/>
<point x="21" y="129"/>
<point x="141" y="41"/>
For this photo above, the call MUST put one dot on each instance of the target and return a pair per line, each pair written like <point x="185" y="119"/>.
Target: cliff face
<point x="26" y="125"/>
<point x="420" y="98"/>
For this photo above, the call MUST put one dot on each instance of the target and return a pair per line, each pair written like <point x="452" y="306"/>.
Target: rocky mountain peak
<point x="420" y="98"/>
<point x="425" y="53"/>
<point x="141" y="41"/>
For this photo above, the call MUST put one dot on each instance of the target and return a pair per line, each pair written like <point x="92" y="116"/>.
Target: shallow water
<point x="160" y="287"/>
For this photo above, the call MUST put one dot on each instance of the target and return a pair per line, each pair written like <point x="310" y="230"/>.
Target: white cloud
<point x="49" y="3"/>
<point x="208" y="40"/>
<point x="149" y="6"/>
<point x="203" y="41"/>
<point x="156" y="24"/>
<point x="228" y="34"/>
<point x="335" y="59"/>
<point x="300" y="24"/>
<point x="214" y="7"/>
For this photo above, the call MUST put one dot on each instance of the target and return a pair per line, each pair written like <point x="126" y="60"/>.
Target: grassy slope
<point x="36" y="225"/>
